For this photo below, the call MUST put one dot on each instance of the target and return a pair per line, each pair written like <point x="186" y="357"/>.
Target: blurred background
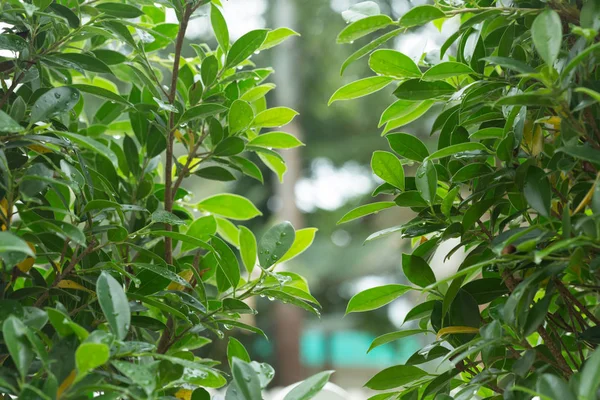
<point x="326" y="179"/>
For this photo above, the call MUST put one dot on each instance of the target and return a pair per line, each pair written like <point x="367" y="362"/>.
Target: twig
<point x="565" y="292"/>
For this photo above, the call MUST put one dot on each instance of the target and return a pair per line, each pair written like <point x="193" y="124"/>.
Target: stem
<point x="171" y="135"/>
<point x="565" y="292"/>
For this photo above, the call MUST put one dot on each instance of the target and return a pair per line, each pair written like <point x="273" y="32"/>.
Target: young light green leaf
<point x="114" y="304"/>
<point x="363" y="51"/>
<point x="412" y="115"/>
<point x="276" y="140"/>
<point x="446" y="70"/>
<point x="240" y="116"/>
<point x="363" y="27"/>
<point x="90" y="356"/>
<point x="387" y="166"/>
<point x="230" y="206"/>
<point x="302" y="241"/>
<point x="277" y="36"/>
<point x="360" y="88"/>
<point x="257" y="92"/>
<point x="219" y="25"/>
<point x="393" y="63"/>
<point x="274" y="117"/>
<point x="248" y="248"/>
<point x="376" y="297"/>
<point x="367" y="209"/>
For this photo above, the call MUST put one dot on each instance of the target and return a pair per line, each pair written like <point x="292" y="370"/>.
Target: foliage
<point x="514" y="177"/>
<point x="110" y="281"/>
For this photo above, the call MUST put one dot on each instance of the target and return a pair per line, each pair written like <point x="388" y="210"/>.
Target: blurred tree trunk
<point x="288" y="319"/>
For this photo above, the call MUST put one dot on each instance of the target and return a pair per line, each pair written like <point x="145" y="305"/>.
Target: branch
<point x="565" y="292"/>
<point x="171" y="135"/>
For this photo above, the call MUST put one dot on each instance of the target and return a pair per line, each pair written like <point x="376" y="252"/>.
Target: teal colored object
<point x="349" y="349"/>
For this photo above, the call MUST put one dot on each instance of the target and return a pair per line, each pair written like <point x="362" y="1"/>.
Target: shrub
<point x="109" y="279"/>
<point x="513" y="176"/>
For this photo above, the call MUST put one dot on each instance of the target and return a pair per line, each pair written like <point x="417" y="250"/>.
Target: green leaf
<point x="12" y="42"/>
<point x="229" y="147"/>
<point x="408" y="146"/>
<point x="457" y="149"/>
<point x="13" y="249"/>
<point x="376" y="297"/>
<point x="248" y="248"/>
<point x="277" y="36"/>
<point x="276" y="140"/>
<point x="92" y="145"/>
<point x="446" y="70"/>
<point x="363" y="27"/>
<point x="228" y="262"/>
<point x="219" y="26"/>
<point x="209" y="70"/>
<point x="394" y="377"/>
<point x="240" y="116"/>
<point x="304" y="238"/>
<point x="542" y="98"/>
<point x="393" y="63"/>
<point x="592" y="93"/>
<point x="537" y="191"/>
<point x="275" y="243"/>
<point x="114" y="304"/>
<point x="511" y="63"/>
<point x="398" y="109"/>
<point x="101" y="92"/>
<point x="110" y="57"/>
<point x="310" y="387"/>
<point x="367" y="209"/>
<point x="583" y="152"/>
<point x="426" y="181"/>
<point x="360" y="88"/>
<point x="215" y="173"/>
<point x="257" y="92"/>
<point x="392" y="336"/>
<point x="201" y="111"/>
<point x="363" y="51"/>
<point x="90" y="356"/>
<point x="246" y="380"/>
<point x="162" y="271"/>
<point x="410" y="116"/>
<point x="82" y="61"/>
<point x="245" y="46"/>
<point x="120" y="10"/>
<point x="590" y="377"/>
<point x="553" y="387"/>
<point x="55" y="101"/>
<point x="230" y="206"/>
<point x="417" y="270"/>
<point x="388" y="167"/>
<point x="420" y="15"/>
<point x="546" y="33"/>
<point x="165" y="217"/>
<point x="274" y="117"/>
<point x="361" y="10"/>
<point x="236" y="349"/>
<point x="15" y="338"/>
<point x="415" y="89"/>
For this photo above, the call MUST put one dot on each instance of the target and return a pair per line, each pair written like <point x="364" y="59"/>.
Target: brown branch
<point x="66" y="271"/>
<point x="165" y="339"/>
<point x="562" y="364"/>
<point x="565" y="292"/>
<point x="171" y="135"/>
